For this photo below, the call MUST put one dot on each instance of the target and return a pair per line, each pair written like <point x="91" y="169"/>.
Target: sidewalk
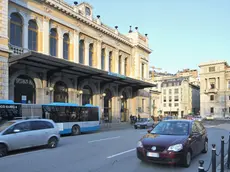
<point x="115" y="126"/>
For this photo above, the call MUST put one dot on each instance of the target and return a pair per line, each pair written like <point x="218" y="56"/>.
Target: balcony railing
<point x="214" y="90"/>
<point x="17" y="50"/>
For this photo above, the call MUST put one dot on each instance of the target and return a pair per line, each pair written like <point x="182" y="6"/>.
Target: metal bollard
<point x="213" y="158"/>
<point x="201" y="166"/>
<point x="228" y="152"/>
<point x="222" y="155"/>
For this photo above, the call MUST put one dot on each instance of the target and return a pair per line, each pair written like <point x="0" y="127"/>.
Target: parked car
<point x="173" y="142"/>
<point x="144" y="123"/>
<point x="20" y="134"/>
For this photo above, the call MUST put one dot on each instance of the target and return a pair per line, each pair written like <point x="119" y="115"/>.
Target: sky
<point x="182" y="33"/>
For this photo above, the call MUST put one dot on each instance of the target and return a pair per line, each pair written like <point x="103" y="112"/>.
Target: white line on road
<point x="121" y="153"/>
<point x="109" y="138"/>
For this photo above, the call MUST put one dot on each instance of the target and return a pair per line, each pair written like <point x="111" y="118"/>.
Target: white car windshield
<point x="5" y="125"/>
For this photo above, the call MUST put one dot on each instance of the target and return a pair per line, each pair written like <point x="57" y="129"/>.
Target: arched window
<point x="53" y="42"/>
<point x="119" y="65"/>
<point x="87" y="97"/>
<point x="24" y="89"/>
<point x="103" y="59"/>
<point x="32" y="35"/>
<point x="110" y="61"/>
<point x="90" y="54"/>
<point x="126" y="66"/>
<point x="81" y="51"/>
<point x="66" y="46"/>
<point x="16" y="29"/>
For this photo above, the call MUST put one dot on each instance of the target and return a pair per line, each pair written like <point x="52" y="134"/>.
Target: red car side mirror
<point x="149" y="130"/>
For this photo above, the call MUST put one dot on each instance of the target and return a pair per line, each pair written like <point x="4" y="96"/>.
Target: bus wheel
<point x="76" y="130"/>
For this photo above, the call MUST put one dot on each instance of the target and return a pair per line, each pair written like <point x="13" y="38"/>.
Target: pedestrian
<point x="131" y="119"/>
<point x="139" y="117"/>
<point x="134" y="119"/>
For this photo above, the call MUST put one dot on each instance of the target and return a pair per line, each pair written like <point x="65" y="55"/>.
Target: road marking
<point x="210" y="126"/>
<point x="109" y="138"/>
<point x="121" y="153"/>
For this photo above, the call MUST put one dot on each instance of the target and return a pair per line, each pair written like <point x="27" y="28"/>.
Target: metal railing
<point x="213" y="162"/>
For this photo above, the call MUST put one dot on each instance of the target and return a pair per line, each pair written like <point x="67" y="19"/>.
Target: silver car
<point x="144" y="123"/>
<point x="20" y="134"/>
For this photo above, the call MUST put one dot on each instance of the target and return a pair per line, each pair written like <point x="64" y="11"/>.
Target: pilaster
<point x="46" y="30"/>
<point x="76" y="46"/>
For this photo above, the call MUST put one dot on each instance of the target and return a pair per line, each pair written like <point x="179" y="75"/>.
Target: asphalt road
<point x="110" y="151"/>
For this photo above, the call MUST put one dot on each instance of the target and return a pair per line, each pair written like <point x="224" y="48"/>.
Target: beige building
<point x="215" y="89"/>
<point x="187" y="72"/>
<point x="51" y="51"/>
<point x="180" y="95"/>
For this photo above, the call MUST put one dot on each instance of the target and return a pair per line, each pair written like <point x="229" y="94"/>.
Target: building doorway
<point x="108" y="106"/>
<point x="124" y="107"/>
<point x="24" y="90"/>
<point x="87" y="97"/>
<point x="60" y="92"/>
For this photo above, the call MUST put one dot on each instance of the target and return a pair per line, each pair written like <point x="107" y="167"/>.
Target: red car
<point x="173" y="142"/>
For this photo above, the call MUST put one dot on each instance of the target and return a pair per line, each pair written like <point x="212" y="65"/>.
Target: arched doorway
<point x="124" y="107"/>
<point x="87" y="96"/>
<point x="24" y="89"/>
<point x="108" y="105"/>
<point x="60" y="92"/>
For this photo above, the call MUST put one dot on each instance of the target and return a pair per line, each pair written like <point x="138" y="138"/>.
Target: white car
<point x="20" y="134"/>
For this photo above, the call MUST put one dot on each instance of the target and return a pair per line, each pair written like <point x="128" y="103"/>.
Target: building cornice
<point x="69" y="10"/>
<point x="144" y="48"/>
<point x="64" y="8"/>
<point x="213" y="63"/>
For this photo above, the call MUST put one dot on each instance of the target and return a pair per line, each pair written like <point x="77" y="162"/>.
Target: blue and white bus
<point x="9" y="110"/>
<point x="72" y="118"/>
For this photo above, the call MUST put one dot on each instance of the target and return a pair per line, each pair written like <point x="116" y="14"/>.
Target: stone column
<point x="60" y="45"/>
<point x="25" y="34"/>
<point x="46" y="30"/>
<point x="99" y="54"/>
<point x="76" y="46"/>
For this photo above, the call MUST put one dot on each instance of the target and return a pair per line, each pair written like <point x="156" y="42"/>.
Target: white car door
<point x="39" y="133"/>
<point x="18" y="136"/>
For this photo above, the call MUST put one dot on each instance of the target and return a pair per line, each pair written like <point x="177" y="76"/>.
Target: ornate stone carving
<point x="117" y="43"/>
<point x="47" y="9"/>
<point x="100" y="34"/>
<point x="45" y="18"/>
<point x="78" y="24"/>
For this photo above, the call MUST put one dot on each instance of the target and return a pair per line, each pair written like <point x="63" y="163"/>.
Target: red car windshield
<point x="172" y="128"/>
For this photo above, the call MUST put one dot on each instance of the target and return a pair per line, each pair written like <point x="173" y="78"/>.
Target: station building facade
<point x="51" y="51"/>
